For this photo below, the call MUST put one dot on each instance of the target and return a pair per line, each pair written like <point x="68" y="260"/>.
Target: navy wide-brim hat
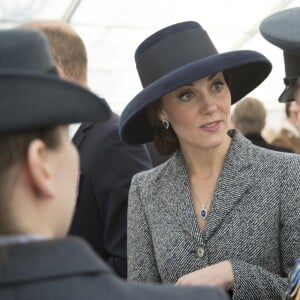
<point x="283" y="30"/>
<point x="32" y="94"/>
<point x="178" y="55"/>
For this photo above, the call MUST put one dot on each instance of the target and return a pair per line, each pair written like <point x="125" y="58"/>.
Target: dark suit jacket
<point x="258" y="140"/>
<point x="107" y="166"/>
<point x="67" y="269"/>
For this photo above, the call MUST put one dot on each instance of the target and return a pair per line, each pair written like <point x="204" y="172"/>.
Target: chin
<point x="216" y="138"/>
<point x="212" y="146"/>
<point x="214" y="143"/>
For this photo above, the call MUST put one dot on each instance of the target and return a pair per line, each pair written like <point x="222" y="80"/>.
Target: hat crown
<point x="170" y="48"/>
<point x="162" y="34"/>
<point x="25" y="50"/>
<point x="283" y="30"/>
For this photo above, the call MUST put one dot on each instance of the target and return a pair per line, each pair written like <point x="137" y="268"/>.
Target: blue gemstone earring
<point x="165" y="124"/>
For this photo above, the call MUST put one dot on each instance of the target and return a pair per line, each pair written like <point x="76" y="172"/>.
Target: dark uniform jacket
<point x="68" y="269"/>
<point x="107" y="166"/>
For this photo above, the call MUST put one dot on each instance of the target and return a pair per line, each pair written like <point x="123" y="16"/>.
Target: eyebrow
<point x="211" y="77"/>
<point x="208" y="79"/>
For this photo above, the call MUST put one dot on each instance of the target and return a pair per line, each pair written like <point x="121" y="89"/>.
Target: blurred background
<point x="113" y="29"/>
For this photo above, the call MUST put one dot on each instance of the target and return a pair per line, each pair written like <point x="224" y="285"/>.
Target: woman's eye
<point x="185" y="96"/>
<point x="217" y="86"/>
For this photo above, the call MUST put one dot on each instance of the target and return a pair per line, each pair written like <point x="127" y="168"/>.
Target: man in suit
<point x="249" y="116"/>
<point x="107" y="164"/>
<point x="38" y="178"/>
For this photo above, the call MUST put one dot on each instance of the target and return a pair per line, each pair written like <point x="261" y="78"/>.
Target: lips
<point x="211" y="125"/>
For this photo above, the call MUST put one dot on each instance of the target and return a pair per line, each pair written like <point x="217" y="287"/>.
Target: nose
<point x="207" y="105"/>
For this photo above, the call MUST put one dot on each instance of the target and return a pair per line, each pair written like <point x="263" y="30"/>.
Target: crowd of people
<point x="178" y="198"/>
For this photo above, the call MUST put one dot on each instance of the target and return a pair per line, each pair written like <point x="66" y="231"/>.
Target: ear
<point x="162" y="115"/>
<point x="39" y="169"/>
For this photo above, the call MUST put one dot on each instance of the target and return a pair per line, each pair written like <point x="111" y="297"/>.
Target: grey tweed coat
<point x="253" y="221"/>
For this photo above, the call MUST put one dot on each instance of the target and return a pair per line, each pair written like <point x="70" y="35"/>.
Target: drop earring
<point x="165" y="124"/>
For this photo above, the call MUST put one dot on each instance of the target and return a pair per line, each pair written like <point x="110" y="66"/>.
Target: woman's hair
<point x="13" y="150"/>
<point x="165" y="140"/>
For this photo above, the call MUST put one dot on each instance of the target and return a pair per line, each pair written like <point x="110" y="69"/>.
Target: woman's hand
<point x="219" y="274"/>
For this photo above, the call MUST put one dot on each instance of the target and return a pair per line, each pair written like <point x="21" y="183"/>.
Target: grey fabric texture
<point x="253" y="221"/>
<point x="68" y="269"/>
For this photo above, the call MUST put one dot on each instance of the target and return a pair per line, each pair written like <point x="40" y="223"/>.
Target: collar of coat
<point x="46" y="260"/>
<point x="236" y="178"/>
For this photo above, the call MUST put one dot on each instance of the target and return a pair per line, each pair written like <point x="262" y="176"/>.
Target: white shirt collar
<point x="20" y="239"/>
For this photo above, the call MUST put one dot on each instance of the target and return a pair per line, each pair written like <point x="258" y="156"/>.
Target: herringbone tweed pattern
<point x="253" y="221"/>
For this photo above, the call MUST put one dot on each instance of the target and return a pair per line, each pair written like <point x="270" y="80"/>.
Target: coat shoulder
<point x="154" y="175"/>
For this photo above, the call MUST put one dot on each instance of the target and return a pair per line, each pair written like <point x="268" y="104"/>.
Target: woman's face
<point x="295" y="110"/>
<point x="297" y="93"/>
<point x="199" y="113"/>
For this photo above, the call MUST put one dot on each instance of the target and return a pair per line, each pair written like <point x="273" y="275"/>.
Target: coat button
<point x="200" y="252"/>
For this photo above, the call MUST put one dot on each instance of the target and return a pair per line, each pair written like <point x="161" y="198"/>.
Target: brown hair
<point x="164" y="140"/>
<point x="66" y="46"/>
<point x="13" y="150"/>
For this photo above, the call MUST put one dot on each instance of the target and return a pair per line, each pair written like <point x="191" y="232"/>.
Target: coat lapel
<point x="233" y="183"/>
<point x="79" y="136"/>
<point x="235" y="180"/>
<point x="182" y="203"/>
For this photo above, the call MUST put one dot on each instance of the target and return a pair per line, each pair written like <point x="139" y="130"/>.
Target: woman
<point x="221" y="211"/>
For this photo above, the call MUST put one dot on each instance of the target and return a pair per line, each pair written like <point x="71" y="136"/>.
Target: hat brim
<point x="31" y="101"/>
<point x="247" y="69"/>
<point x="287" y="95"/>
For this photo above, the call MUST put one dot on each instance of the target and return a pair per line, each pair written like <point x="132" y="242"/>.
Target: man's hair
<point x="249" y="116"/>
<point x="13" y="150"/>
<point x="66" y="46"/>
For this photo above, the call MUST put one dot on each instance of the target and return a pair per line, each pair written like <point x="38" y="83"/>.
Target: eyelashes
<point x="218" y="85"/>
<point x="186" y="94"/>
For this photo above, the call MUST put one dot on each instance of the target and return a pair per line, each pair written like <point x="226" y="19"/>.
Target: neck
<point x="29" y="213"/>
<point x="205" y="162"/>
